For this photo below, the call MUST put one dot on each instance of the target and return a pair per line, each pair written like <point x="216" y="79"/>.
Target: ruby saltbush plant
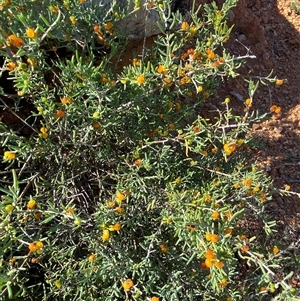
<point x="117" y="186"/>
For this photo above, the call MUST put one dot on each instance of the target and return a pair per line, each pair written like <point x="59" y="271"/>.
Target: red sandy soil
<point x="270" y="30"/>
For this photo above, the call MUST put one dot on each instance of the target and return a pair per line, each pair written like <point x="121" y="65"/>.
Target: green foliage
<point x="124" y="189"/>
<point x="295" y="5"/>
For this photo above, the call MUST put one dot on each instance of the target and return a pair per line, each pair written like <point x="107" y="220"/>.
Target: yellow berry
<point x="9" y="208"/>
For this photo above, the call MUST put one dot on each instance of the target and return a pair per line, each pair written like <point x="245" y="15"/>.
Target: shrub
<point x="120" y="187"/>
<point x="295" y="5"/>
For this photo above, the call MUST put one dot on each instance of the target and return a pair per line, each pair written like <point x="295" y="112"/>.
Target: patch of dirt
<point x="270" y="30"/>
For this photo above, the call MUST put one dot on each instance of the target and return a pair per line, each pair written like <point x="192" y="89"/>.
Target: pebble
<point x="230" y="16"/>
<point x="242" y="38"/>
<point x="264" y="20"/>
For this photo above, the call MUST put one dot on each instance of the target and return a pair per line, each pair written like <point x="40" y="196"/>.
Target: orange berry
<point x="204" y="266"/>
<point x="66" y="100"/>
<point x="204" y="153"/>
<point x="37" y="216"/>
<point x="216" y="64"/>
<point x="127" y="284"/>
<point x="163" y="248"/>
<point x="278" y="110"/>
<point x="214" y="237"/>
<point x="119" y="210"/>
<point x="162" y="69"/>
<point x="140" y="79"/>
<point x="59" y="114"/>
<point x="279" y="82"/>
<point x="215" y="216"/>
<point x="120" y="196"/>
<point x="150" y="4"/>
<point x="32" y="247"/>
<point x="136" y="62"/>
<point x="111" y="204"/>
<point x="10" y="66"/>
<point x="69" y="211"/>
<point x="178" y="106"/>
<point x="92" y="258"/>
<point x="248" y="102"/>
<point x="138" y="162"/>
<point x="243" y="237"/>
<point x="227" y="231"/>
<point x="13" y="40"/>
<point x="30" y="32"/>
<point x="191" y="227"/>
<point x="210" y="254"/>
<point x="73" y="20"/>
<point x="275" y="109"/>
<point x="105" y="235"/>
<point x="31" y="204"/>
<point x="185" y="26"/>
<point x="168" y="82"/>
<point x="219" y="264"/>
<point x="115" y="227"/>
<point x="172" y="126"/>
<point x="209" y="262"/>
<point x="208" y="236"/>
<point x="96" y="125"/>
<point x="108" y="26"/>
<point x="96" y="28"/>
<point x="223" y="282"/>
<point x="210" y="54"/>
<point x="229" y="148"/>
<point x="276" y="250"/>
<point x="245" y="249"/>
<point x="196" y="128"/>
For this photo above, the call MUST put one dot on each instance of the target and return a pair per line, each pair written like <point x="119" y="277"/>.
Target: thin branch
<point x="51" y="26"/>
<point x="11" y="111"/>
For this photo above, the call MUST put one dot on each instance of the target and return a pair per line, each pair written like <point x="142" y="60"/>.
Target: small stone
<point x="242" y="38"/>
<point x="264" y="20"/>
<point x="268" y="168"/>
<point x="230" y="16"/>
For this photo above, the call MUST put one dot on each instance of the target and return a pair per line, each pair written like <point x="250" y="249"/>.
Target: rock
<point x="230" y="16"/>
<point x="143" y="21"/>
<point x="140" y="22"/>
<point x="242" y="38"/>
<point x="264" y="19"/>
